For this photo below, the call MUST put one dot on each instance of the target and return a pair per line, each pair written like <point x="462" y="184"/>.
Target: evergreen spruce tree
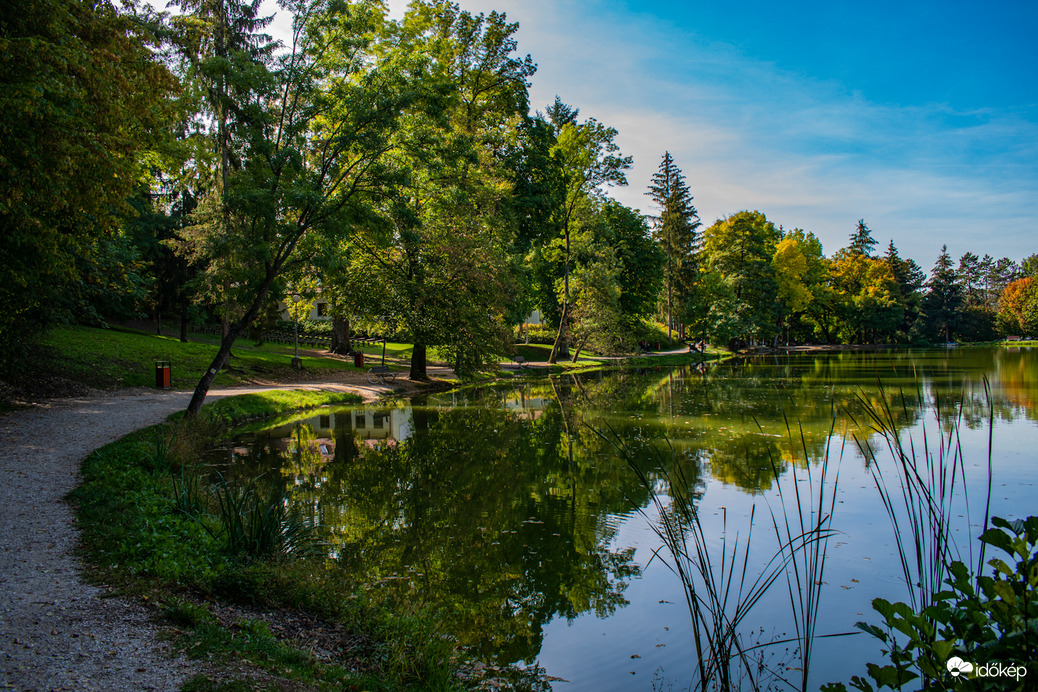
<point x="862" y="242"/>
<point x="970" y="278"/>
<point x="910" y="279"/>
<point x="677" y="233"/>
<point x="944" y="298"/>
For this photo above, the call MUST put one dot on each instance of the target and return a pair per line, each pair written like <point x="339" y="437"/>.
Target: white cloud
<point x="808" y="153"/>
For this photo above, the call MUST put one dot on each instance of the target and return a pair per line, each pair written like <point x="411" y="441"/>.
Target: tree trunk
<point x="418" y="371"/>
<point x="224" y="354"/>
<point x="183" y="323"/>
<point x="578" y="349"/>
<point x="340" y="335"/>
<point x="560" y="349"/>
<point x="225" y="329"/>
<point x="158" y="323"/>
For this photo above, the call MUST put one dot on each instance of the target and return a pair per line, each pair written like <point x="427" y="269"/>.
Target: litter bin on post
<point x="162" y="374"/>
<point x="358" y="359"/>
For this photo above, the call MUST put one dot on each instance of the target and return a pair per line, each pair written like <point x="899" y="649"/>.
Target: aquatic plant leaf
<point x="873" y="630"/>
<point x="889" y="676"/>
<point x="997" y="538"/>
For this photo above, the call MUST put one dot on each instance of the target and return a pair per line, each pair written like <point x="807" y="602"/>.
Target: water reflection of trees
<point x="482" y="513"/>
<point x="749" y="419"/>
<point x="501" y="507"/>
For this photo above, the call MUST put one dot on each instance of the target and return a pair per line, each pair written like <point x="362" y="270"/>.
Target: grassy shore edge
<point x="135" y="540"/>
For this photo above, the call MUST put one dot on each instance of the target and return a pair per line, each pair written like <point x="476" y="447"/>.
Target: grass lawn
<point x="119" y="357"/>
<point x="111" y="358"/>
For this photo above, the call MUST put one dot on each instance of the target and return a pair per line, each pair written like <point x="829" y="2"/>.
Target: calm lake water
<point x="508" y="510"/>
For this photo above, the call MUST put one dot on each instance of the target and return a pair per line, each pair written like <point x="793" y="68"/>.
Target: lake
<point x="509" y="509"/>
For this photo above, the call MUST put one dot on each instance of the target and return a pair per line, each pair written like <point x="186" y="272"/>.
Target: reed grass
<point x="255" y="525"/>
<point x="803" y="527"/>
<point x="919" y="491"/>
<point x="721" y="586"/>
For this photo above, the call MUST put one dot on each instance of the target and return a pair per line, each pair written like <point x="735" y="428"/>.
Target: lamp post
<point x="297" y="362"/>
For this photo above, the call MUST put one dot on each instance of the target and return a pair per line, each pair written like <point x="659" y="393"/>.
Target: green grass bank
<point x="237" y="583"/>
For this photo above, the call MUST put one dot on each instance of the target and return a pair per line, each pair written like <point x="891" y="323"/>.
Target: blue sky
<point x="920" y="117"/>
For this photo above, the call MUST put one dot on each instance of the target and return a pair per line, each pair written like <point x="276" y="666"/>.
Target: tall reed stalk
<point x="722" y="585"/>
<point x="255" y="525"/>
<point x="921" y="498"/>
<point x="802" y="528"/>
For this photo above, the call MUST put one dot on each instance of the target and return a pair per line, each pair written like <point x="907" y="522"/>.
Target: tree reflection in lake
<point x="500" y="505"/>
<point x="480" y="512"/>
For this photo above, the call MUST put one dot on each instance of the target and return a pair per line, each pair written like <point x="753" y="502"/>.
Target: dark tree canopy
<point x="82" y="96"/>
<point x="944" y="297"/>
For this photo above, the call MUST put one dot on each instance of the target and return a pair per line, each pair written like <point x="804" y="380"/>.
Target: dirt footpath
<point x="56" y="632"/>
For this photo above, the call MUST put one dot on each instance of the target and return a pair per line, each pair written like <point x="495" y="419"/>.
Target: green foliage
<point x="438" y="267"/>
<point x="256" y="525"/>
<point x="131" y="510"/>
<point x="1018" y="308"/>
<point x="81" y="92"/>
<point x="943" y="300"/>
<point x="1029" y="265"/>
<point x="640" y="260"/>
<point x="739" y="251"/>
<point x="676" y="232"/>
<point x="862" y="242"/>
<point x="981" y="619"/>
<point x="182" y="612"/>
<point x="585" y="159"/>
<point x="129" y="519"/>
<point x="274" y="402"/>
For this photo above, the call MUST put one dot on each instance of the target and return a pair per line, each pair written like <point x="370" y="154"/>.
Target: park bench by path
<point x="520" y="361"/>
<point x="380" y="374"/>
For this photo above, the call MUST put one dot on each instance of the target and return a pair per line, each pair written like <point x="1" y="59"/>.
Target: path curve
<point x="57" y="632"/>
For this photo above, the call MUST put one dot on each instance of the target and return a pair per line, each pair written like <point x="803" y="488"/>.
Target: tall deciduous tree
<point x="445" y="260"/>
<point x="1018" y="307"/>
<point x="793" y="274"/>
<point x="676" y="231"/>
<point x="640" y="260"/>
<point x="587" y="159"/>
<point x="82" y="96"/>
<point x="739" y="249"/>
<point x="313" y="153"/>
<point x="224" y="60"/>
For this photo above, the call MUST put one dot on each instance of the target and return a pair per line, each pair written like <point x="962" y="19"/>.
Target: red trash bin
<point x="162" y="374"/>
<point x="358" y="359"/>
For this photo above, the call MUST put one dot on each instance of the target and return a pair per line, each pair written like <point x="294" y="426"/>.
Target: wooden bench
<point x="379" y="374"/>
<point x="520" y="361"/>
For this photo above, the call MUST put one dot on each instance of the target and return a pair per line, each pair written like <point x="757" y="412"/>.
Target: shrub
<point x="991" y="620"/>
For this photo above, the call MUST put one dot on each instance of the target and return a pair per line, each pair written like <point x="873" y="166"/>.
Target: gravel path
<point x="56" y="632"/>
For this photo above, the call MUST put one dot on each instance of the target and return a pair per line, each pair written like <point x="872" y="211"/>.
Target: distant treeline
<point x="392" y="170"/>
